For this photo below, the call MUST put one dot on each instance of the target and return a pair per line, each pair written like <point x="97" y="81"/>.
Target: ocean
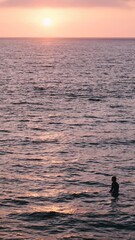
<point x="67" y="125"/>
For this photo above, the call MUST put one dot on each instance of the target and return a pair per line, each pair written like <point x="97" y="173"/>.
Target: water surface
<point x="66" y="126"/>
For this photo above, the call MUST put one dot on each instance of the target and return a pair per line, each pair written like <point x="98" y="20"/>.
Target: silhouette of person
<point x="114" y="188"/>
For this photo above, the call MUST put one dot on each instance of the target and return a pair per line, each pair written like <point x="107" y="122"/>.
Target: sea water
<point x="67" y="125"/>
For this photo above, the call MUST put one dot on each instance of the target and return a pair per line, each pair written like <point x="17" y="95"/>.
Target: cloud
<point x="63" y="3"/>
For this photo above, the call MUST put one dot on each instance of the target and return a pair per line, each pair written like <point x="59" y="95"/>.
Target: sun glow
<point x="48" y="22"/>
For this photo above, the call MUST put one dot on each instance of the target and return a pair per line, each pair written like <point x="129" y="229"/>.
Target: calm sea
<point x="67" y="124"/>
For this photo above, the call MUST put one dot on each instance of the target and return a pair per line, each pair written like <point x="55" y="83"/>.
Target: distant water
<point x="67" y="124"/>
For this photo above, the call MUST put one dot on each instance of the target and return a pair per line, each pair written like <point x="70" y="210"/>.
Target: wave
<point x="19" y="202"/>
<point x="38" y="216"/>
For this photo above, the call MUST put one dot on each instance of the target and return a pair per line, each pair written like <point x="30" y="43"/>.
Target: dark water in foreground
<point x="67" y="125"/>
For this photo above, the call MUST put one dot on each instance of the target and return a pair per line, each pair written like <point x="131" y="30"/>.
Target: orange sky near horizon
<point x="81" y="21"/>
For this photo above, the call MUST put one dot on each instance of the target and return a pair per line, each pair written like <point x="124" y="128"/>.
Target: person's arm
<point x="111" y="188"/>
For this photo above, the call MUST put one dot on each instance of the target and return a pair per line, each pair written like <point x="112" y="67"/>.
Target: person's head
<point x="113" y="179"/>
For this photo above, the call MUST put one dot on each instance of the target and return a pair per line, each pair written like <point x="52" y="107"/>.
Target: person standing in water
<point x="114" y="188"/>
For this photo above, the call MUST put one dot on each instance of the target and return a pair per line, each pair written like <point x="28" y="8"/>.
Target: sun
<point x="48" y="22"/>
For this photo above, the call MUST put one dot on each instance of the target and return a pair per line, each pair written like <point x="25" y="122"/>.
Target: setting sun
<point x="47" y="22"/>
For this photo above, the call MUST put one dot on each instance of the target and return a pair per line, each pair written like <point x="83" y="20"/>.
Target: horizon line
<point x="67" y="37"/>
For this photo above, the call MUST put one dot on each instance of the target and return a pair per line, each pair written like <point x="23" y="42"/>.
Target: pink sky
<point x="69" y="18"/>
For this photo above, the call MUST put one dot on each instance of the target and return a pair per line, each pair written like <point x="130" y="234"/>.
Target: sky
<point x="67" y="18"/>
